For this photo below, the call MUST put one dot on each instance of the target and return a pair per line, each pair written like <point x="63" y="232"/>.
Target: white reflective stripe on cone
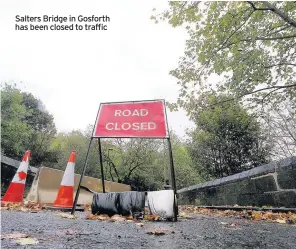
<point x="23" y="168"/>
<point x="161" y="202"/>
<point x="68" y="178"/>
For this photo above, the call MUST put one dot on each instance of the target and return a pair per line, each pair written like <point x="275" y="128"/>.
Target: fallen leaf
<point x="129" y="218"/>
<point x="152" y="217"/>
<point x="14" y="236"/>
<point x="87" y="207"/>
<point x="256" y="215"/>
<point x="97" y="217"/>
<point x="282" y="221"/>
<point x="117" y="217"/>
<point x="184" y="215"/>
<point x="66" y="215"/>
<point x="291" y="221"/>
<point x="90" y="217"/>
<point x="103" y="217"/>
<point x="156" y="232"/>
<point x="140" y="224"/>
<point x="24" y="209"/>
<point x="71" y="232"/>
<point x="27" y="241"/>
<point x="223" y="223"/>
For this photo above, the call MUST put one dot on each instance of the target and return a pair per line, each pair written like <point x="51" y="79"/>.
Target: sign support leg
<point x="173" y="180"/>
<point x="101" y="164"/>
<point x="82" y="174"/>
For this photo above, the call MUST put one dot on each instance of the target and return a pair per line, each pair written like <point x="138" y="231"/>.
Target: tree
<point x="145" y="163"/>
<point x="249" y="45"/>
<point x="226" y="140"/>
<point x="42" y="127"/>
<point x="76" y="140"/>
<point x="185" y="168"/>
<point x="281" y="127"/>
<point x="141" y="163"/>
<point x="15" y="133"/>
<point x="132" y="161"/>
<point x="26" y="124"/>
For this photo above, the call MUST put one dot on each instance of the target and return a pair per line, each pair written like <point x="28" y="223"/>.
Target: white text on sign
<point x="131" y="126"/>
<point x="127" y="113"/>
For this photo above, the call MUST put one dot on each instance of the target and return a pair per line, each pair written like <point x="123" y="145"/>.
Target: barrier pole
<point x="101" y="163"/>
<point x="82" y="174"/>
<point x="173" y="179"/>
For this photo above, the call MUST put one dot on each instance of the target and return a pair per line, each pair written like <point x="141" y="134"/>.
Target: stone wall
<point x="272" y="184"/>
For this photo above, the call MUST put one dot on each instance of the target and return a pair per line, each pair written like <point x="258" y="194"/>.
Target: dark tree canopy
<point x="226" y="140"/>
<point x="26" y="124"/>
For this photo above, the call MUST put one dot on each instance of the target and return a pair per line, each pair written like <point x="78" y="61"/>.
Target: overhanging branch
<point x="271" y="7"/>
<point x="274" y="88"/>
<point x="281" y="14"/>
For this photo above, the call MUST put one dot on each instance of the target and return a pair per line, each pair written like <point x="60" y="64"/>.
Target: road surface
<point x="202" y="231"/>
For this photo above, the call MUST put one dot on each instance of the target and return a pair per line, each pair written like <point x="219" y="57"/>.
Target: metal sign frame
<point x="167" y="137"/>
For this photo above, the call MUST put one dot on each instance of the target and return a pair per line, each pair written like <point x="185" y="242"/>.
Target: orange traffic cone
<point x="16" y="188"/>
<point x="65" y="195"/>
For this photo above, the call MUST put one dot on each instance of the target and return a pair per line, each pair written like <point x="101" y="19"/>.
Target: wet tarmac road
<point x="55" y="232"/>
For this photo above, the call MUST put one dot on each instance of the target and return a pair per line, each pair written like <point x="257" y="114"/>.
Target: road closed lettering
<point x="139" y="119"/>
<point x="129" y="126"/>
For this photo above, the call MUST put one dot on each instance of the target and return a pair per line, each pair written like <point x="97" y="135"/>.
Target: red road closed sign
<point x="132" y="119"/>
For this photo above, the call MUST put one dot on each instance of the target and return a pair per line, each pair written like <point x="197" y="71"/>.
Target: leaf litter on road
<point x="14" y="236"/>
<point x="152" y="217"/>
<point x="21" y="238"/>
<point x="101" y="217"/>
<point x="283" y="218"/>
<point x="114" y="218"/>
<point x="65" y="215"/>
<point x="27" y="206"/>
<point x="120" y="218"/>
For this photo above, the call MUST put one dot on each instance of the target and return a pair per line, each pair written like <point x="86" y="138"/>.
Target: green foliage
<point x="64" y="143"/>
<point x="142" y="163"/>
<point x="185" y="168"/>
<point x="15" y="133"/>
<point x="251" y="45"/>
<point x="226" y="140"/>
<point x="25" y="125"/>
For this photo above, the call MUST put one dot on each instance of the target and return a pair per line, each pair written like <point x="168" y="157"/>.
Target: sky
<point x="72" y="72"/>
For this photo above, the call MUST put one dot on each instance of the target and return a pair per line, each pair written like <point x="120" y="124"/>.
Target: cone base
<point x="65" y="197"/>
<point x="14" y="193"/>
